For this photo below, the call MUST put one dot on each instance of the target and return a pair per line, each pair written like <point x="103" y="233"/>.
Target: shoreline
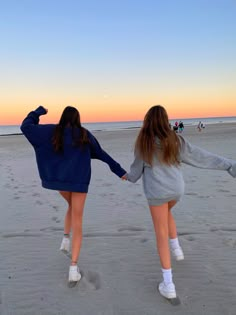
<point x="186" y="128"/>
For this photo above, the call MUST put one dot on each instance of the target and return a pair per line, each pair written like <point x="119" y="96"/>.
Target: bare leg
<point x="67" y="222"/>
<point x="160" y="222"/>
<point x="171" y="220"/>
<point x="77" y="203"/>
<point x="174" y="242"/>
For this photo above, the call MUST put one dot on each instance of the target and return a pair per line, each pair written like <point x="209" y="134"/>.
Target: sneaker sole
<point x="179" y="258"/>
<point x="75" y="280"/>
<point x="169" y="296"/>
<point x="64" y="250"/>
<point x="172" y="300"/>
<point x="72" y="283"/>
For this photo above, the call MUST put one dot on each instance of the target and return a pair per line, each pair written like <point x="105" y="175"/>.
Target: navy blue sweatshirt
<point x="70" y="170"/>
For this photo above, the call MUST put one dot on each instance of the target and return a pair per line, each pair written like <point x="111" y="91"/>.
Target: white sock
<point x="167" y="275"/>
<point x="74" y="268"/>
<point x="174" y="243"/>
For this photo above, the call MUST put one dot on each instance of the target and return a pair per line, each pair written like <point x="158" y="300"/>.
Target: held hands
<point x="232" y="170"/>
<point x="124" y="177"/>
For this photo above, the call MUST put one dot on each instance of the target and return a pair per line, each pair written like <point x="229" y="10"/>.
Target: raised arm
<point x="195" y="156"/>
<point x="98" y="153"/>
<point x="30" y="127"/>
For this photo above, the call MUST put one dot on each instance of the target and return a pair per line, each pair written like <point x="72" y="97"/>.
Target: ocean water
<point x="109" y="126"/>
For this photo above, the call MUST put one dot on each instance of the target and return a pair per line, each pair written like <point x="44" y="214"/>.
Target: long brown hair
<point x="156" y="125"/>
<point x="70" y="118"/>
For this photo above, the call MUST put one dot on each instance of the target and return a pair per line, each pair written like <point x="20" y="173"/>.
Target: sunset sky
<point x="115" y="59"/>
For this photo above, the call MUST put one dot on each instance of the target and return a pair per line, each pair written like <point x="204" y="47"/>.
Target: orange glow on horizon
<point x="181" y="108"/>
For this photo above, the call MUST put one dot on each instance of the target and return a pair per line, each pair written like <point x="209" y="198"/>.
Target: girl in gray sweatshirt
<point x="158" y="155"/>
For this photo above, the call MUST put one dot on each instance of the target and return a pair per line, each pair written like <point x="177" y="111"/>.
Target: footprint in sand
<point x="190" y="238"/>
<point x="144" y="240"/>
<point x="191" y="194"/>
<point x="221" y="181"/>
<point x="230" y="242"/>
<point x="103" y="195"/>
<point x="222" y="228"/>
<point x="12" y="235"/>
<point x="107" y="185"/>
<point x="90" y="281"/>
<point x="52" y="228"/>
<point x="204" y="197"/>
<point x="38" y="202"/>
<point x="93" y="280"/>
<point x="131" y="228"/>
<point x="35" y="195"/>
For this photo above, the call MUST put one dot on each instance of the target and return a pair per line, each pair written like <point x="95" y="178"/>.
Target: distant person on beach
<point x="181" y="126"/>
<point x="159" y="152"/>
<point x="199" y="126"/>
<point x="176" y="127"/>
<point x="63" y="153"/>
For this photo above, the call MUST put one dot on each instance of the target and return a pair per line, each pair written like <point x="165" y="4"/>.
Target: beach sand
<point x="119" y="261"/>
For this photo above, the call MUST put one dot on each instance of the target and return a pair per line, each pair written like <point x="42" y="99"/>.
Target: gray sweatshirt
<point x="162" y="183"/>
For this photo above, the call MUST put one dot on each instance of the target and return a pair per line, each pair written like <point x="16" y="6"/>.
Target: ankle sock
<point x="174" y="243"/>
<point x="73" y="267"/>
<point x="167" y="275"/>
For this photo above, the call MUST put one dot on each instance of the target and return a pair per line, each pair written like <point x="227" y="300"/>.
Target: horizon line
<point x="120" y="121"/>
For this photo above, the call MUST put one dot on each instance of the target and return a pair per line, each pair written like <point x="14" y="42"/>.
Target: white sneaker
<point x="74" y="274"/>
<point x="167" y="290"/>
<point x="65" y="244"/>
<point x="178" y="253"/>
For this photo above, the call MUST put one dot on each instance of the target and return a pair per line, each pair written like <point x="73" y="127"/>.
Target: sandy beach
<point x="119" y="261"/>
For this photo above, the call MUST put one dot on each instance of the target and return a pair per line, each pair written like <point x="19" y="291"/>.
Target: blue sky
<point x="117" y="46"/>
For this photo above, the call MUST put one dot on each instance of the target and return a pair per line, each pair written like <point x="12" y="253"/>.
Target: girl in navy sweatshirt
<point x="63" y="154"/>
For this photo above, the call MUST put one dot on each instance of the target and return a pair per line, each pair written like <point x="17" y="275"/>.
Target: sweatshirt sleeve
<point x="136" y="170"/>
<point x="98" y="153"/>
<point x="195" y="156"/>
<point x="30" y="125"/>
